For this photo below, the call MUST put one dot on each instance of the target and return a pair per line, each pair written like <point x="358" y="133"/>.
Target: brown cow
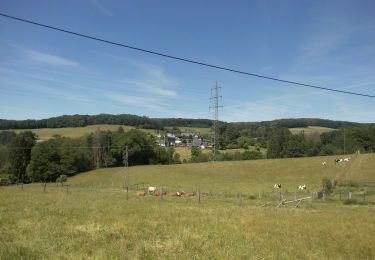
<point x="190" y="194"/>
<point x="158" y="193"/>
<point x="177" y="194"/>
<point x="141" y="193"/>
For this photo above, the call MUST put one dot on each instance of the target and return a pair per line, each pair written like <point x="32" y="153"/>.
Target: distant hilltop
<point x="157" y="123"/>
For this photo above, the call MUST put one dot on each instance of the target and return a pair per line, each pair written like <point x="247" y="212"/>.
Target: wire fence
<point x="359" y="194"/>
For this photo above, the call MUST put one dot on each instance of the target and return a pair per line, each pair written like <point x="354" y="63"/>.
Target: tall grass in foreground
<point x="101" y="225"/>
<point x="94" y="220"/>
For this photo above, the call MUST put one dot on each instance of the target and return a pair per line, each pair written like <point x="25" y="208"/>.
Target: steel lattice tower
<point x="214" y="107"/>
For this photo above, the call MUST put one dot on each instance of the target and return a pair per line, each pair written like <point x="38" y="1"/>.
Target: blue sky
<point x="44" y="73"/>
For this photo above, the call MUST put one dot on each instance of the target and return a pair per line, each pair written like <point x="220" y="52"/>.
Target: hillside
<point x="75" y="132"/>
<point x="237" y="176"/>
<point x="311" y="130"/>
<point x="157" y="123"/>
<point x="92" y="218"/>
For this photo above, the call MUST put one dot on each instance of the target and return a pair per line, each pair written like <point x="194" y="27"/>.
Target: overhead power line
<point x="183" y="59"/>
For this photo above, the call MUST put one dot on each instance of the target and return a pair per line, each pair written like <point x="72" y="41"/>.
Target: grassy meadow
<point x="185" y="152"/>
<point x="75" y="132"/>
<point x="93" y="219"/>
<point x="311" y="130"/>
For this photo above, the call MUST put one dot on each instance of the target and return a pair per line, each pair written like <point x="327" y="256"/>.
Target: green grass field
<point x="74" y="132"/>
<point x="95" y="220"/>
<point x="311" y="129"/>
<point x="185" y="152"/>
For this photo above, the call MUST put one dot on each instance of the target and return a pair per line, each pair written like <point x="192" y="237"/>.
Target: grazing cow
<point x="141" y="193"/>
<point x="324" y="163"/>
<point x="151" y="190"/>
<point x="337" y="160"/>
<point x="346" y="159"/>
<point x="302" y="187"/>
<point x="159" y="193"/>
<point x="177" y="194"/>
<point x="277" y="186"/>
<point x="190" y="194"/>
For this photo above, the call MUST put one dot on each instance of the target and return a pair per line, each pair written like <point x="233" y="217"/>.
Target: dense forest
<point x="22" y="159"/>
<point x="85" y="120"/>
<point x="155" y="123"/>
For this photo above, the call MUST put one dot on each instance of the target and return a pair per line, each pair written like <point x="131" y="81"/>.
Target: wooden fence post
<point x="45" y="186"/>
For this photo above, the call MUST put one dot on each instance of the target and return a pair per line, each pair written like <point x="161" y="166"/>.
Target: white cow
<point x="151" y="189"/>
<point x="337" y="160"/>
<point x="302" y="187"/>
<point x="277" y="186"/>
<point x="324" y="163"/>
<point x="346" y="159"/>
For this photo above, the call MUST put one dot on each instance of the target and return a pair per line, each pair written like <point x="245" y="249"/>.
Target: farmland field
<point x="92" y="218"/>
<point x="310" y="130"/>
<point x="185" y="152"/>
<point x="75" y="132"/>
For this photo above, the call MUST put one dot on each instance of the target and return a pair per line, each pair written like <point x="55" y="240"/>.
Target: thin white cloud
<point x="137" y="101"/>
<point x="100" y="7"/>
<point x="18" y="86"/>
<point x="49" y="59"/>
<point x="149" y="87"/>
<point x="155" y="81"/>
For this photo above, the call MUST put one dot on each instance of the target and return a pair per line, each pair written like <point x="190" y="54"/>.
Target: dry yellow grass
<point x="74" y="132"/>
<point x="310" y="130"/>
<point x="95" y="220"/>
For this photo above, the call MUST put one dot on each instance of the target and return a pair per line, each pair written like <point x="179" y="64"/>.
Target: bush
<point x="62" y="178"/>
<point x="350" y="202"/>
<point x="5" y="180"/>
<point x="252" y="197"/>
<point x="252" y="155"/>
<point x="327" y="185"/>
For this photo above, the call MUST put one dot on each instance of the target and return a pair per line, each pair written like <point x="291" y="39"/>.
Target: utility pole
<point x="126" y="163"/>
<point x="344" y="141"/>
<point x="214" y="100"/>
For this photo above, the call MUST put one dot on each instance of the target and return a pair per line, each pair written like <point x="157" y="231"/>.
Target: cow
<point x="277" y="186"/>
<point x="302" y="187"/>
<point x="337" y="160"/>
<point x="151" y="190"/>
<point x="190" y="194"/>
<point x="159" y="193"/>
<point x="177" y="194"/>
<point x="141" y="193"/>
<point x="346" y="159"/>
<point x="324" y="163"/>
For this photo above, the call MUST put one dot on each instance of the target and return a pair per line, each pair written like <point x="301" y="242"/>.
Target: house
<point x="197" y="142"/>
<point x="171" y="139"/>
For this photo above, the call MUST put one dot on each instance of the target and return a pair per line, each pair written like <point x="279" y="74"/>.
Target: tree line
<point x="23" y="159"/>
<point x="85" y="120"/>
<point x="158" y="123"/>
